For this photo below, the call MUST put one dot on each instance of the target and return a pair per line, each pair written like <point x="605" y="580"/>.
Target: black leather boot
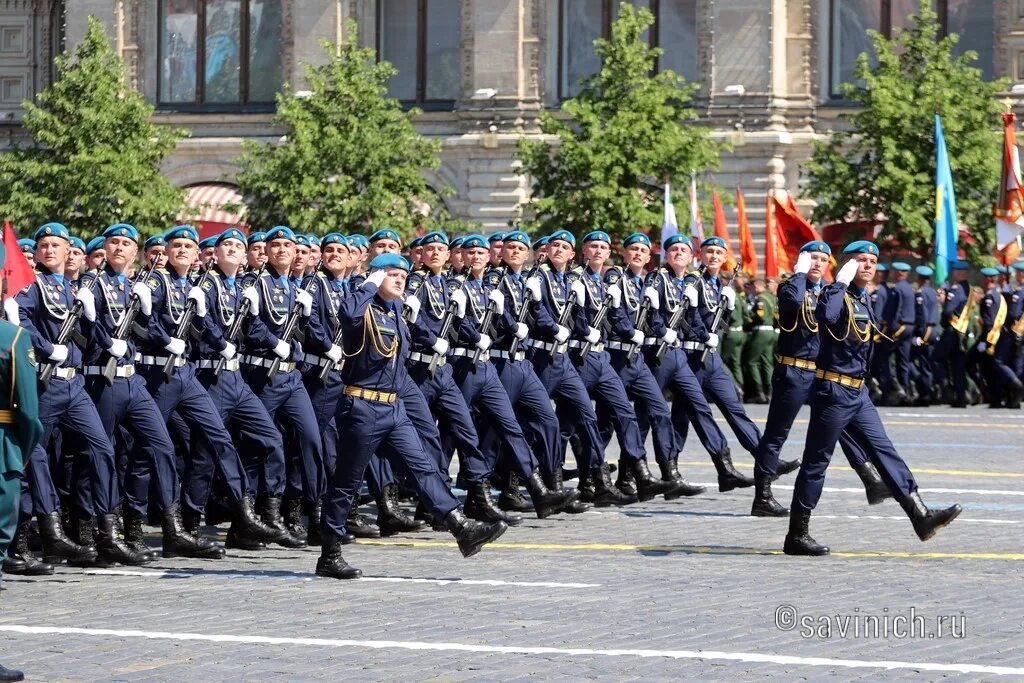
<point x="604" y="493"/>
<point x="110" y="546"/>
<point x="20" y="560"/>
<point x="133" y="536"/>
<point x="874" y="487"/>
<point x="545" y="501"/>
<point x="314" y="537"/>
<point x="765" y="504"/>
<point x="682" y="487"/>
<point x="511" y="498"/>
<point x="585" y="487"/>
<point x="331" y="564"/>
<point x="927" y="522"/>
<point x="798" y="540"/>
<point x="626" y="482"/>
<point x="179" y="543"/>
<point x="480" y="506"/>
<point x="471" y="534"/>
<point x="787" y="466"/>
<point x="238" y="539"/>
<point x="359" y="526"/>
<point x="12" y="675"/>
<point x="728" y="477"/>
<point x="57" y="547"/>
<point x="572" y="505"/>
<point x="251" y="526"/>
<point x="390" y="518"/>
<point x="85" y="531"/>
<point x="291" y="511"/>
<point x="647" y="487"/>
<point x="270" y="512"/>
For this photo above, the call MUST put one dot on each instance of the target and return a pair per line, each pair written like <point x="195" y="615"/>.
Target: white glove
<point x="593" y="335"/>
<point x="615" y="294"/>
<point x="981" y="347"/>
<point x="533" y="285"/>
<point x="145" y="297"/>
<point x="580" y="290"/>
<point x="440" y="346"/>
<point x="85" y="295"/>
<point x="412" y="304"/>
<point x="803" y="262"/>
<point x="304" y="299"/>
<point x="176" y="347"/>
<point x="638" y="337"/>
<point x="712" y="342"/>
<point x="652" y="295"/>
<point x="690" y="294"/>
<point x="59" y="353"/>
<point x="521" y="331"/>
<point x="562" y="334"/>
<point x="916" y="341"/>
<point x="228" y="352"/>
<point x="376" y="277"/>
<point x="197" y="295"/>
<point x="460" y="299"/>
<point x="847" y="272"/>
<point x="118" y="347"/>
<point x="283" y="350"/>
<point x="670" y="337"/>
<point x="484" y="343"/>
<point x="729" y="294"/>
<point x="253" y="297"/>
<point x="498" y="299"/>
<point x="334" y="353"/>
<point x="11" y="311"/>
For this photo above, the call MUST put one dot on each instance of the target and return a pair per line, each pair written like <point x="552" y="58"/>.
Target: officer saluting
<point x="840" y="401"/>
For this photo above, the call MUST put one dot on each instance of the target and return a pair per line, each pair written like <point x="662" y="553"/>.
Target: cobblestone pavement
<point x="655" y="591"/>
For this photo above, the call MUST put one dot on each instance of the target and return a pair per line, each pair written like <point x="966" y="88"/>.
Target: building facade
<point x="482" y="71"/>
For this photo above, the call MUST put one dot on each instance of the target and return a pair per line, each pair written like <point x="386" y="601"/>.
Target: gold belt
<point x="845" y="380"/>
<point x="801" y="363"/>
<point x="371" y="394"/>
<point x="6" y="417"/>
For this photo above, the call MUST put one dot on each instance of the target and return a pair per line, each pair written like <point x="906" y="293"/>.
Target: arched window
<point x="421" y="39"/>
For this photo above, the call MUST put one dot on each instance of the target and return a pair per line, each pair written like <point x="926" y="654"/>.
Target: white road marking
<point x="709" y="655"/>
<point x="860" y="490"/>
<point x="739" y="516"/>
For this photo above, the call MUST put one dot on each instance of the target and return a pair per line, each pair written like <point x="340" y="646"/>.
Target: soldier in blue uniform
<point x="28" y="249"/>
<point x="997" y="344"/>
<point x="256" y="250"/>
<point x="926" y="316"/>
<point x="496" y="244"/>
<point x="949" y="359"/>
<point x="206" y="246"/>
<point x="373" y="337"/>
<point x="897" y="339"/>
<point x="795" y="365"/>
<point x="840" y="402"/>
<point x="1016" y="318"/>
<point x="155" y="248"/>
<point x="879" y="297"/>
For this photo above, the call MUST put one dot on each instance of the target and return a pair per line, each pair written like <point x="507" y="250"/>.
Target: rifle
<point x="602" y="313"/>
<point x="719" y="314"/>
<point x="336" y="341"/>
<point x="236" y="325"/>
<point x="68" y="328"/>
<point x="185" y="322"/>
<point x="292" y="326"/>
<point x="128" y="318"/>
<point x="446" y="326"/>
<point x="485" y="325"/>
<point x="673" y="323"/>
<point x="641" y="318"/>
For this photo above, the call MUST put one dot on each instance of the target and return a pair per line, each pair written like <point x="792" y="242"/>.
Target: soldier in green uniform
<point x="20" y="430"/>
<point x="732" y="344"/>
<point x="759" y="349"/>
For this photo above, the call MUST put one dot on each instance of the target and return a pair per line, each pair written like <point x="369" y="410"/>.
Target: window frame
<point x="420" y="101"/>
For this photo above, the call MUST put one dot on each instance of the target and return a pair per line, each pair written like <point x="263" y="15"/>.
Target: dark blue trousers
<point x="384" y="467"/>
<point x="921" y="356"/>
<point x="720" y="388"/>
<point x="835" y="408"/>
<point x="563" y="384"/>
<point x="649" y="403"/>
<point x="532" y="406"/>
<point x="126" y="403"/>
<point x="948" y="351"/>
<point x="447" y="404"/>
<point x="689" y="406"/>
<point x="606" y="388"/>
<point x="363" y="429"/>
<point x="324" y="397"/>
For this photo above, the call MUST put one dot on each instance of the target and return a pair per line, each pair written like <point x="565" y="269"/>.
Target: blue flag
<point x="947" y="227"/>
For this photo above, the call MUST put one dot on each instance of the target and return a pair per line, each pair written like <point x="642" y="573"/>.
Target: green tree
<point x="617" y="140"/>
<point x="884" y="166"/>
<point x="350" y="159"/>
<point x="96" y="154"/>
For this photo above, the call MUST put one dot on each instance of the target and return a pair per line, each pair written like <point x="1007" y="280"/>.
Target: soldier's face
<point x="120" y="252"/>
<point x="496" y="248"/>
<point x="384" y="246"/>
<point x="1019" y="274"/>
<point x="301" y="257"/>
<point x="229" y="254"/>
<point x="182" y="253"/>
<point x="52" y="252"/>
<point x="596" y="253"/>
<point x="866" y="264"/>
<point x="819" y="262"/>
<point x="636" y="256"/>
<point x="257" y="254"/>
<point x="514" y="253"/>
<point x="713" y="258"/>
<point x="456" y="257"/>
<point x="679" y="257"/>
<point x="560" y="253"/>
<point x="315" y="254"/>
<point x="416" y="255"/>
<point x="280" y="254"/>
<point x="76" y="257"/>
<point x="206" y="254"/>
<point x="393" y="286"/>
<point x="160" y="253"/>
<point x="335" y="257"/>
<point x="96" y="258"/>
<point x="434" y="256"/>
<point x="477" y="258"/>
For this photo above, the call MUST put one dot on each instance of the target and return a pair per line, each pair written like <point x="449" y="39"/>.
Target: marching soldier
<point x="1016" y="315"/>
<point x="155" y="251"/>
<point x="949" y="359"/>
<point x="926" y="314"/>
<point x="495" y="243"/>
<point x="896" y="342"/>
<point x="28" y="249"/>
<point x="94" y="253"/>
<point x="76" y="260"/>
<point x="997" y="344"/>
<point x="256" y="250"/>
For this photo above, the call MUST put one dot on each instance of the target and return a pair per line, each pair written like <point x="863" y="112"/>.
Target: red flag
<point x="722" y="230"/>
<point x="792" y="230"/>
<point x="771" y="248"/>
<point x="17" y="274"/>
<point x="748" y="255"/>
<point x="1009" y="210"/>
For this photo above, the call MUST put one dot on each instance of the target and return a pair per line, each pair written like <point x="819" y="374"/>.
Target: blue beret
<point x="597" y="236"/>
<point x="154" y="241"/>
<point x="385" y="234"/>
<point x="334" y="238"/>
<point x="456" y="242"/>
<point x="436" y="237"/>
<point x="989" y="272"/>
<point x="97" y="243"/>
<point x="959" y="265"/>
<point x="416" y="242"/>
<point x="26" y="244"/>
<point x="474" y="242"/>
<point x="496" y="237"/>
<point x="122" y="230"/>
<point x="229" y="234"/>
<point x="390" y="261"/>
<point x="182" y="232"/>
<point x="208" y="242"/>
<point x="563" y="235"/>
<point x="53" y="230"/>
<point x="256" y="238"/>
<point x="713" y="241"/>
<point x="678" y="239"/>
<point x="637" y="237"/>
<point x="301" y="240"/>
<point x="358" y="241"/>
<point x="1018" y="264"/>
<point x="861" y="247"/>
<point x="77" y="243"/>
<point x="541" y="241"/>
<point x="517" y="236"/>
<point x="817" y="245"/>
<point x="1002" y="270"/>
<point x="882" y="268"/>
<point x="901" y="267"/>
<point x="280" y="232"/>
<point x="924" y="271"/>
<point x="314" y="241"/>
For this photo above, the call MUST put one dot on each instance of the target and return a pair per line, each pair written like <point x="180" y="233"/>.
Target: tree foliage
<point x="883" y="168"/>
<point x="96" y="154"/>
<point x="350" y="159"/>
<point x="617" y="140"/>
